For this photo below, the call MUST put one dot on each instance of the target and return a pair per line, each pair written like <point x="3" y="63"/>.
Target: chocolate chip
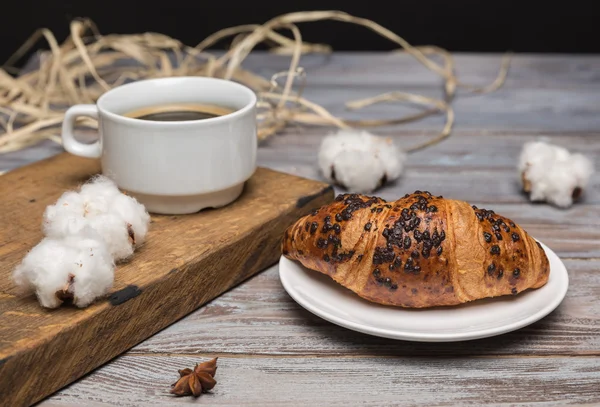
<point x="516" y="272"/>
<point x="426" y="235"/>
<point x="498" y="235"/>
<point x="512" y="224"/>
<point x="394" y="287"/>
<point x="487" y="237"/>
<point x="368" y="226"/>
<point x="326" y="258"/>
<point x="338" y="217"/>
<point x="425" y="253"/>
<point x="417" y="235"/>
<point x="417" y="269"/>
<point x="442" y="236"/>
<point x="336" y="228"/>
<point x="514" y="291"/>
<point x="313" y="227"/>
<point x="495" y="250"/>
<point x="500" y="274"/>
<point x="335" y="240"/>
<point x="407" y="242"/>
<point x="322" y="243"/>
<point x="432" y="208"/>
<point x="376" y="272"/>
<point x="414" y="254"/>
<point x="387" y="282"/>
<point x="439" y="250"/>
<point x="515" y="237"/>
<point x="491" y="268"/>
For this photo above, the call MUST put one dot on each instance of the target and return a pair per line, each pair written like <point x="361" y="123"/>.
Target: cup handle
<point x="93" y="150"/>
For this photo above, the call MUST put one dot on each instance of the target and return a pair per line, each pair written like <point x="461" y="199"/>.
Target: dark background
<point x="459" y="25"/>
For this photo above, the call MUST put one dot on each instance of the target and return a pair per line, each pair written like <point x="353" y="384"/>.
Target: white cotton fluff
<point x="552" y="174"/>
<point x="79" y="265"/>
<point x="120" y="220"/>
<point x="360" y="161"/>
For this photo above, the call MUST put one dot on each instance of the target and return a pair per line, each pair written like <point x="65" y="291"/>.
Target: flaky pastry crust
<point x="419" y="251"/>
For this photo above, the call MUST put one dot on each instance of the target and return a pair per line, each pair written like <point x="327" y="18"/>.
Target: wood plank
<point x="553" y="93"/>
<point x="259" y="317"/>
<point x="542" y="93"/>
<point x="337" y="381"/>
<point x="480" y="169"/>
<point x="187" y="261"/>
<point x="383" y="68"/>
<point x="475" y="166"/>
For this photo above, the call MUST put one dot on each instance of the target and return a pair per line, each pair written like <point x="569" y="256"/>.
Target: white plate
<point x="322" y="296"/>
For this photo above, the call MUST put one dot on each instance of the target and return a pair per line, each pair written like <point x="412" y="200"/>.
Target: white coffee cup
<point x="172" y="167"/>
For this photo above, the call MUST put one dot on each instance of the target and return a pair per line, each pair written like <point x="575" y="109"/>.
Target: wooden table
<point x="274" y="353"/>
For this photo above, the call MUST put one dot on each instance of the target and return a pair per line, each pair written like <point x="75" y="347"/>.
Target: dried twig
<point x="88" y="64"/>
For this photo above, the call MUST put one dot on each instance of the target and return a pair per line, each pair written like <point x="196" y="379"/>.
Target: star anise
<point x="196" y="381"/>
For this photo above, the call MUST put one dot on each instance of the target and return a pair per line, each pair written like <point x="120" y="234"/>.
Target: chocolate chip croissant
<point x="419" y="251"/>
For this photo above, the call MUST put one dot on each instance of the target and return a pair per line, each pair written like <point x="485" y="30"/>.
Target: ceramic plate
<point x="320" y="295"/>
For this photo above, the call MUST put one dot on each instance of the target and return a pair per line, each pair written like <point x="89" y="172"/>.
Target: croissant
<point x="419" y="251"/>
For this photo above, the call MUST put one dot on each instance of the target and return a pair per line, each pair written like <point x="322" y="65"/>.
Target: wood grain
<point x="273" y="352"/>
<point x="186" y="261"/>
<point x="337" y="381"/>
<point x="260" y="318"/>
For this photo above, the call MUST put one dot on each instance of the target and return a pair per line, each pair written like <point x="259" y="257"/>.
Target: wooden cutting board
<point x="186" y="261"/>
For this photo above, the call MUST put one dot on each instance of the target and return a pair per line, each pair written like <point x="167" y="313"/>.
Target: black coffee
<point x="179" y="112"/>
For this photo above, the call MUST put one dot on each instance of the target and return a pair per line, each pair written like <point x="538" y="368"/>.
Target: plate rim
<point x="431" y="337"/>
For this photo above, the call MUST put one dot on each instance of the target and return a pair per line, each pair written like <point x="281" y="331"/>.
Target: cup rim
<point x="120" y="118"/>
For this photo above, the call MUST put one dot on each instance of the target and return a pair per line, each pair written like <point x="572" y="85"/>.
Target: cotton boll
<point x="66" y="216"/>
<point x="102" y="196"/>
<point x="98" y="193"/>
<point x="119" y="220"/>
<point x="361" y="178"/>
<point x="78" y="267"/>
<point x="115" y="233"/>
<point x="552" y="174"/>
<point x="134" y="214"/>
<point x="359" y="161"/>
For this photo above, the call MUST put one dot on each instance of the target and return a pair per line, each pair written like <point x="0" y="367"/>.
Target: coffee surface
<point x="179" y="112"/>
